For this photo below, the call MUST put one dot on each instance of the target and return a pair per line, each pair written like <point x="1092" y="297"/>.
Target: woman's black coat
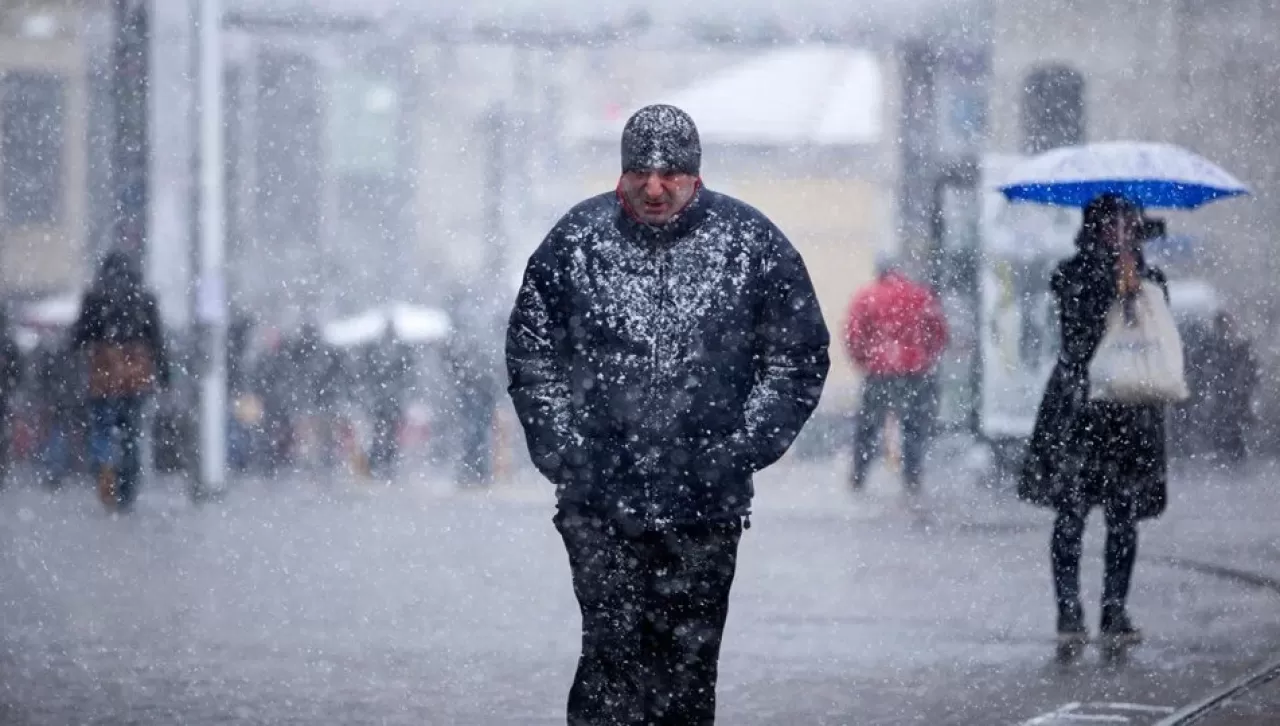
<point x="1083" y="453"/>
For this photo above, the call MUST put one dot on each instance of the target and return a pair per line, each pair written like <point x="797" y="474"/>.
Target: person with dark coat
<point x="1233" y="376"/>
<point x="1191" y="422"/>
<point x="477" y="385"/>
<point x="239" y="340"/>
<point x="389" y="363"/>
<point x="119" y="326"/>
<point x="1091" y="453"/>
<point x="317" y="378"/>
<point x="666" y="344"/>
<point x="10" y="379"/>
<point x="272" y="376"/>
<point x="58" y="385"/>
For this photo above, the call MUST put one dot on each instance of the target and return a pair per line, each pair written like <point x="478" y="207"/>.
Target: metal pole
<point x="212" y="308"/>
<point x="130" y="145"/>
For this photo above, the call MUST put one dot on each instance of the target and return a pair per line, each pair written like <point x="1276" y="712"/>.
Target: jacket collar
<point x="662" y="236"/>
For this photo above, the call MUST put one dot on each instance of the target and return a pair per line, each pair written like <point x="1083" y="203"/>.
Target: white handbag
<point x="1139" y="360"/>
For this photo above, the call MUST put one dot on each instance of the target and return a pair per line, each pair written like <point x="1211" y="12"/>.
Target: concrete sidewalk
<point x="1256" y="708"/>
<point x="1226" y="520"/>
<point x="1215" y="516"/>
<point x="429" y="605"/>
<point x="1251" y="700"/>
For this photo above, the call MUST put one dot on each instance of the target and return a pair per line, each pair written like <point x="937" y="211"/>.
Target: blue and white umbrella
<point x="1146" y="173"/>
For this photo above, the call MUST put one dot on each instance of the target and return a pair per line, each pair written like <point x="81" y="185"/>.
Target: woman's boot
<point x="1116" y="627"/>
<point x="1071" y="627"/>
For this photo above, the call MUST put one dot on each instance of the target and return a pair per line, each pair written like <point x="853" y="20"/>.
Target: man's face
<point x="656" y="196"/>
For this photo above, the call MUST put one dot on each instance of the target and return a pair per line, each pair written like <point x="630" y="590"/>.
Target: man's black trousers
<point x="653" y="612"/>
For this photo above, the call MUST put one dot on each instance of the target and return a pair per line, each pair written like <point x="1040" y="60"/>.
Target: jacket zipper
<point x="662" y="310"/>
<point x="660" y="335"/>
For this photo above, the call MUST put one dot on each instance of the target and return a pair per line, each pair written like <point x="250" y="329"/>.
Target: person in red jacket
<point x="896" y="332"/>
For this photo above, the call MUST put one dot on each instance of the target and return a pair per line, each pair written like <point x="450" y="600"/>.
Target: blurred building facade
<point x="98" y="149"/>
<point x="371" y="161"/>
<point x="45" y="61"/>
<point x="321" y="169"/>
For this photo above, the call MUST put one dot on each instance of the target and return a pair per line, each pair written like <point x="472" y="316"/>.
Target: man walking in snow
<point x="666" y="344"/>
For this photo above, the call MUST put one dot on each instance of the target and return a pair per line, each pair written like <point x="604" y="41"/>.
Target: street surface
<point x="296" y="603"/>
<point x="1259" y="707"/>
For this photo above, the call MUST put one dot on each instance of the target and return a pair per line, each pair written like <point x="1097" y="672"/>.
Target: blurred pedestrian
<point x="1191" y="422"/>
<point x="476" y="387"/>
<point x="1085" y="453"/>
<point x="315" y="378"/>
<point x="272" y="378"/>
<point x="895" y="335"/>
<point x="1234" y="376"/>
<point x="389" y="364"/>
<point x="666" y="343"/>
<point x="10" y="379"/>
<point x="239" y="340"/>
<point x="119" y="326"/>
<point x="59" y="390"/>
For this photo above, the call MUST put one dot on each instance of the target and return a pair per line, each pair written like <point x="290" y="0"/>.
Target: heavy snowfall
<point x="639" y="364"/>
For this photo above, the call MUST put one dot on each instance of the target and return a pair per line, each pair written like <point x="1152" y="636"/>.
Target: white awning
<point x="409" y="324"/>
<point x="808" y="95"/>
<point x="51" y="312"/>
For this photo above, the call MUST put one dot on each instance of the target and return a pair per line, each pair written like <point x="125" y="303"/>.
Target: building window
<point x="962" y="114"/>
<point x="1052" y="109"/>
<point x="288" y="133"/>
<point x="363" y="123"/>
<point x="960" y="89"/>
<point x="32" y="116"/>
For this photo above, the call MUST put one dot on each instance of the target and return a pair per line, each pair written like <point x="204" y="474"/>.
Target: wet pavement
<point x="1258" y="707"/>
<point x="293" y="603"/>
<point x="1253" y="699"/>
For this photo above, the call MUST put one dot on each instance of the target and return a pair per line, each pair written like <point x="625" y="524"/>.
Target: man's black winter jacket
<point x="655" y="369"/>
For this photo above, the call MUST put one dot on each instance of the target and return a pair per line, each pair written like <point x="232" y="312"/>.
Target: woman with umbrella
<point x="1087" y="454"/>
<point x="1099" y="453"/>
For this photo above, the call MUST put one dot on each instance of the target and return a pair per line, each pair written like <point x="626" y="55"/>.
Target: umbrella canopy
<point x="1146" y="173"/>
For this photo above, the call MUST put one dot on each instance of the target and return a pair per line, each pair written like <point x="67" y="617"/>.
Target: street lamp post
<point x="130" y="149"/>
<point x="211" y="308"/>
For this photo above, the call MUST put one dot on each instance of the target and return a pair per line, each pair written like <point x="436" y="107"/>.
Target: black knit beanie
<point x="661" y="138"/>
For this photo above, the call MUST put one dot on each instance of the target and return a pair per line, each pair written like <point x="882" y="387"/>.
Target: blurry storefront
<point x="320" y="178"/>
